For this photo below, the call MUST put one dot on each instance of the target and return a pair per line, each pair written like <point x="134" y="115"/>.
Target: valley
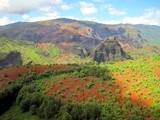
<point x="66" y="69"/>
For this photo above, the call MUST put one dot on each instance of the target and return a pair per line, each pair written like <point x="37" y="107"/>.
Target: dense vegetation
<point x="29" y="99"/>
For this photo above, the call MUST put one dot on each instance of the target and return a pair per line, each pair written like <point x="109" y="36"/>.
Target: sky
<point x="102" y="11"/>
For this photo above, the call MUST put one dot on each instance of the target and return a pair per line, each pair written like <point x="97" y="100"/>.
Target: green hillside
<point x="127" y="90"/>
<point x="29" y="51"/>
<point x="150" y="32"/>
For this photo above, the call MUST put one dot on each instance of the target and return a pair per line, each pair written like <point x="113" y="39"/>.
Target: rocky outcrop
<point x="12" y="59"/>
<point x="82" y="52"/>
<point x="109" y="50"/>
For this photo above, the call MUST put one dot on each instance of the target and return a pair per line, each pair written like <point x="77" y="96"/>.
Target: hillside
<point x="124" y="90"/>
<point x="82" y="32"/>
<point x="74" y="39"/>
<point x="66" y="69"/>
<point x="42" y="53"/>
<point x="151" y="33"/>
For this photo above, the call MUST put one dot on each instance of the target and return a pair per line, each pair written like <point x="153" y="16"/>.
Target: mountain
<point x="83" y="32"/>
<point x="109" y="50"/>
<point x="75" y="37"/>
<point x="150" y="32"/>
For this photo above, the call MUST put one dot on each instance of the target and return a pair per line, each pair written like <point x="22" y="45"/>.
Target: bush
<point x="8" y="97"/>
<point x="90" y="84"/>
<point x="91" y="111"/>
<point x="49" y="107"/>
<point x="95" y="71"/>
<point x="76" y="112"/>
<point x="157" y="112"/>
<point x="33" y="109"/>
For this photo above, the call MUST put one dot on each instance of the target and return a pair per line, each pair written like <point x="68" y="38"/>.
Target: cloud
<point x="25" y="16"/>
<point x="47" y="13"/>
<point x="47" y="16"/>
<point x="25" y="6"/>
<point x="66" y="7"/>
<point x="4" y="21"/>
<point x="150" y="16"/>
<point x="113" y="11"/>
<point x="87" y="8"/>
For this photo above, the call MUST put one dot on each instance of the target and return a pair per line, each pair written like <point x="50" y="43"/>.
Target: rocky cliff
<point x="109" y="50"/>
<point x="12" y="59"/>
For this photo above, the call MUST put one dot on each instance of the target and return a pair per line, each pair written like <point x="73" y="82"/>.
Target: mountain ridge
<point x="71" y="34"/>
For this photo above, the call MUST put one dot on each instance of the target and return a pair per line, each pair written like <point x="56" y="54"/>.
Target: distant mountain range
<point x="81" y="37"/>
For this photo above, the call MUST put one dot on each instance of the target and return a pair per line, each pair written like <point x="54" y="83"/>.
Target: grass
<point x="29" y="51"/>
<point x="140" y="76"/>
<point x="49" y="54"/>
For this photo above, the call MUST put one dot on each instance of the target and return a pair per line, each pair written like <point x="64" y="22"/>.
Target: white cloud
<point x="47" y="16"/>
<point x="4" y="21"/>
<point x="46" y="9"/>
<point x="47" y="13"/>
<point x="40" y="18"/>
<point x="114" y="11"/>
<point x="87" y="8"/>
<point x="151" y="16"/>
<point x="25" y="16"/>
<point x="66" y="7"/>
<point x="25" y="6"/>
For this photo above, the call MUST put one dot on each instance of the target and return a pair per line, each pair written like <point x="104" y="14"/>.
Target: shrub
<point x="102" y="89"/>
<point x="49" y="107"/>
<point x="90" y="84"/>
<point x="157" y="112"/>
<point x="8" y="97"/>
<point x="33" y="109"/>
<point x="91" y="111"/>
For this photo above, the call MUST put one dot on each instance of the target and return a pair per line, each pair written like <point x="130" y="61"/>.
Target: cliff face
<point x="109" y="50"/>
<point x="12" y="59"/>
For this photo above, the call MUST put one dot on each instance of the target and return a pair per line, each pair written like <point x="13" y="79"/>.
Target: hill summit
<point x="109" y="50"/>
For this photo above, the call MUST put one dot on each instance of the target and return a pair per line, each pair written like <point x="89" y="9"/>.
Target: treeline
<point x="95" y="71"/>
<point x="53" y="108"/>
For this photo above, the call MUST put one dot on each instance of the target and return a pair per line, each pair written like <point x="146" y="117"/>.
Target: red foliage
<point x="7" y="74"/>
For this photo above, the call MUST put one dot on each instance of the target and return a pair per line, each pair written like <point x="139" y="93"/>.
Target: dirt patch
<point x="74" y="89"/>
<point x="124" y="83"/>
<point x="8" y="74"/>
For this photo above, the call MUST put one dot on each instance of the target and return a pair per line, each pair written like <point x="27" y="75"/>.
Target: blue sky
<point x="103" y="11"/>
